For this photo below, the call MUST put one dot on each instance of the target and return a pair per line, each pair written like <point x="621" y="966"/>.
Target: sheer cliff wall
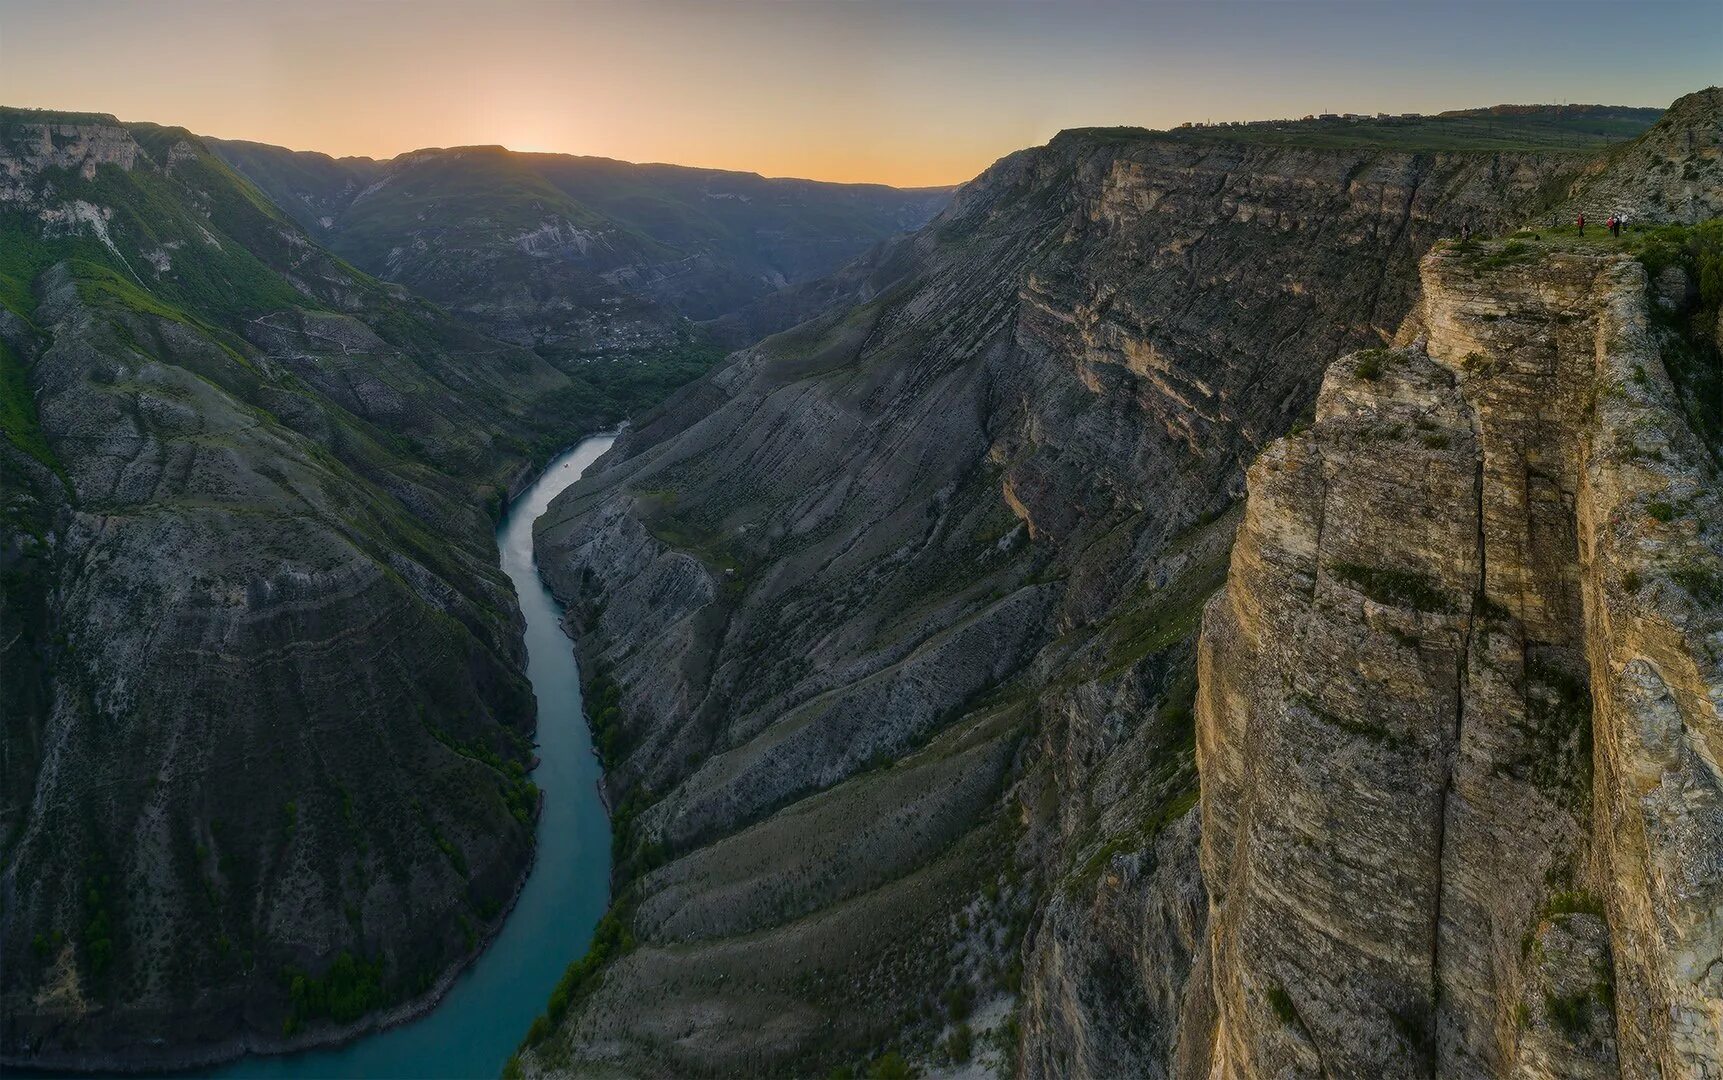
<point x="1458" y="708"/>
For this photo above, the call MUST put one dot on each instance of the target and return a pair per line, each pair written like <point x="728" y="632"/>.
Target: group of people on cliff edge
<point x="1615" y="223"/>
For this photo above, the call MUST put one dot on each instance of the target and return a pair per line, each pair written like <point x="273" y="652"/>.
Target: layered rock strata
<point x="1458" y="717"/>
<point x="979" y="505"/>
<point x="263" y="710"/>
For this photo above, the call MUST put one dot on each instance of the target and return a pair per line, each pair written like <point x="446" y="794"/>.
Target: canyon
<point x="268" y="732"/>
<point x="918" y="748"/>
<point x="1168" y="607"/>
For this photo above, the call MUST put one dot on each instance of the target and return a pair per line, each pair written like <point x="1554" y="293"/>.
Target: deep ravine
<point x="477" y="1023"/>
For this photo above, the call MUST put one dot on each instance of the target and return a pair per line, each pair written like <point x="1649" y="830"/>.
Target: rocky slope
<point x="889" y="620"/>
<point x="1674" y="173"/>
<point x="1458" y="711"/>
<point x="263" y="700"/>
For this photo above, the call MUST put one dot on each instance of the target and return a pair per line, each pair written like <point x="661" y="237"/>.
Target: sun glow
<point x="889" y="90"/>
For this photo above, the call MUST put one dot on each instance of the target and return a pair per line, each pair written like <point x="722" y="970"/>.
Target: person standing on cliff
<point x="1582" y="222"/>
<point x="1615" y="226"/>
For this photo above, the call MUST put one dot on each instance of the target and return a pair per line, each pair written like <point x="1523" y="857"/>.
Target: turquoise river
<point x="487" y="1010"/>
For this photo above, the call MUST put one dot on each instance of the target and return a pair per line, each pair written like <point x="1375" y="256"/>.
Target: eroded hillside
<point x="264" y="708"/>
<point x="1674" y="173"/>
<point x="889" y="620"/>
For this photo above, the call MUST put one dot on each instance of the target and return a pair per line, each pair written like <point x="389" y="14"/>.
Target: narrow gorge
<point x="1224" y="602"/>
<point x="918" y="747"/>
<point x="268" y="733"/>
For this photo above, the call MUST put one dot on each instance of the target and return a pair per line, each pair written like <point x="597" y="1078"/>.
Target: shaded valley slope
<point x="265" y="708"/>
<point x="605" y="267"/>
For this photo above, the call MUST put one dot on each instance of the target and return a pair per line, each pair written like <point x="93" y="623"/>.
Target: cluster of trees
<point x="604" y="712"/>
<point x="99" y="927"/>
<point x="348" y="990"/>
<point x="518" y="789"/>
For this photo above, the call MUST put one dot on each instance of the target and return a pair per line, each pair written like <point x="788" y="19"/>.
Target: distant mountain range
<point x="577" y="254"/>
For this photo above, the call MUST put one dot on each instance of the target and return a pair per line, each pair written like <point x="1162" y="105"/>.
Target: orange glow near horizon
<point x="891" y="91"/>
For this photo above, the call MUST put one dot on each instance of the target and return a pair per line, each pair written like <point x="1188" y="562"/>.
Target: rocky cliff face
<point x="263" y="697"/>
<point x="962" y="530"/>
<point x="1457" y="724"/>
<point x="1674" y="173"/>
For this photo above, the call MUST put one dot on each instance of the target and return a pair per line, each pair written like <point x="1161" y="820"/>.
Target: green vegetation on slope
<point x="347" y="991"/>
<point x="1692" y="354"/>
<point x="615" y="386"/>
<point x="1688" y="338"/>
<point x="1542" y="129"/>
<point x="18" y="409"/>
<point x="1393" y="586"/>
<point x="315" y="421"/>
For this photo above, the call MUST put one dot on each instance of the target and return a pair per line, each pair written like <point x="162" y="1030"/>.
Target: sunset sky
<point x="898" y="92"/>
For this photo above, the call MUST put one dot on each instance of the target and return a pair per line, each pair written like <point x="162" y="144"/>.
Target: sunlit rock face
<point x="1458" y="707"/>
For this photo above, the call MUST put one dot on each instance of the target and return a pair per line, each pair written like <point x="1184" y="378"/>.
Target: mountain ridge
<point x="662" y="214"/>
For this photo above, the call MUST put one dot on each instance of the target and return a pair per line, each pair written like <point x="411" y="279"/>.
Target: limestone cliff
<point x="929" y="566"/>
<point x="962" y="529"/>
<point x="1458" y="717"/>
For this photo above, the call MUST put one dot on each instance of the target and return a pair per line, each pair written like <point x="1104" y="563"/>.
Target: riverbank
<point x="473" y="1016"/>
<point x="472" y="1027"/>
